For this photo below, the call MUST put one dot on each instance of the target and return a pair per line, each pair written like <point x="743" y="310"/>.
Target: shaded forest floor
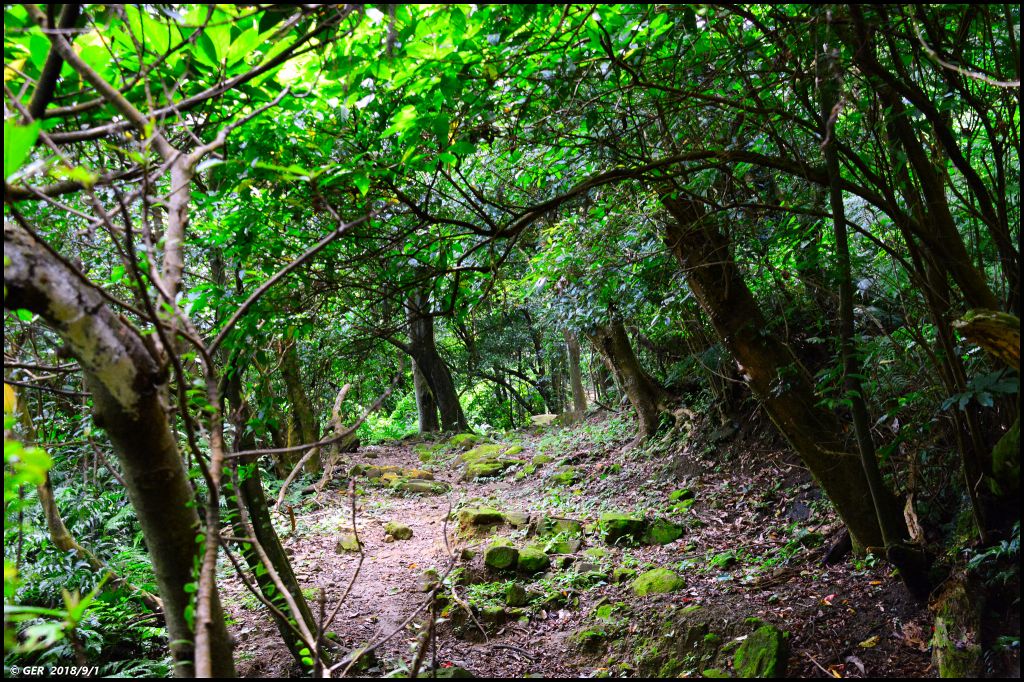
<point x="755" y="534"/>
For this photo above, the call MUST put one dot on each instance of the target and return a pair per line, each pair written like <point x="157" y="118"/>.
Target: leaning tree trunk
<point x="423" y="349"/>
<point x="774" y="374"/>
<point x="645" y="394"/>
<point x="128" y="387"/>
<point x="579" y="396"/>
<point x="250" y="493"/>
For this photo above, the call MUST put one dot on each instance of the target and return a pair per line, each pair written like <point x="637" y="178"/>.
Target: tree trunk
<point x="645" y="394"/>
<point x="251" y="494"/>
<point x="308" y="426"/>
<point x="426" y="406"/>
<point x="776" y="377"/>
<point x="423" y="349"/>
<point x="128" y="389"/>
<point x="910" y="561"/>
<point x="579" y="396"/>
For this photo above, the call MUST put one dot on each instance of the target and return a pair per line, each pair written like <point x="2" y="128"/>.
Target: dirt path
<point x="739" y="559"/>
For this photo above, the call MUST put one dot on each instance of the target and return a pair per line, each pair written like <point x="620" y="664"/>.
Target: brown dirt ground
<point x="848" y="620"/>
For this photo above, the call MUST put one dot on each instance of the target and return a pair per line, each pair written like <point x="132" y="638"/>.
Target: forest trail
<point x="758" y="557"/>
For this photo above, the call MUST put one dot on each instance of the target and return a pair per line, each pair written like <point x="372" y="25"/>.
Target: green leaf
<point x="362" y="183"/>
<point x="18" y="143"/>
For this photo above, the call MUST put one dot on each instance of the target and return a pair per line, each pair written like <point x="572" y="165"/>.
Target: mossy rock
<point x="464" y="441"/>
<point x="476" y="519"/>
<point x="516" y="595"/>
<point x="589" y="641"/>
<point x="622" y="574"/>
<point x="618" y="527"/>
<point x="514" y="450"/>
<point x="517" y="519"/>
<point x="486" y="468"/>
<point x="657" y="581"/>
<point x="763" y="654"/>
<point x="419" y="486"/>
<point x="494" y="614"/>
<point x="398" y="531"/>
<point x="347" y="542"/>
<point x="681" y="495"/>
<point x="501" y="555"/>
<point x="480" y="452"/>
<point x="569" y="546"/>
<point x="541" y="460"/>
<point x="714" y="673"/>
<point x="559" y="526"/>
<point x="662" y="532"/>
<point x="532" y="560"/>
<point x="565" y="475"/>
<point x="597" y="553"/>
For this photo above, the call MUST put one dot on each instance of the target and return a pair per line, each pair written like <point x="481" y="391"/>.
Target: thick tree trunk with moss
<point x="129" y="392"/>
<point x="426" y="406"/>
<point x="250" y="493"/>
<point x="774" y="374"/>
<point x="423" y="349"/>
<point x="645" y="394"/>
<point x="307" y="425"/>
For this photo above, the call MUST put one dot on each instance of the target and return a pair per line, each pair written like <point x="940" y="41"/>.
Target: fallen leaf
<point x="870" y="642"/>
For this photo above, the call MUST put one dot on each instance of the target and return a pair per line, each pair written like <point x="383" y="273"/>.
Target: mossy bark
<point x="781" y="383"/>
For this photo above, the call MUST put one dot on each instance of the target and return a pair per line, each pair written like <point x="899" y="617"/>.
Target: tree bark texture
<point x="128" y="389"/>
<point x="645" y="394"/>
<point x="774" y="374"/>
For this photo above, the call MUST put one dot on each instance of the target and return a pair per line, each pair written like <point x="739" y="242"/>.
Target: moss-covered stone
<point x="565" y="475"/>
<point x="477" y="519"/>
<point x="681" y="495"/>
<point x="541" y="460"/>
<point x="657" y="581"/>
<point x="662" y="532"/>
<point x="532" y="560"/>
<point x="494" y="614"/>
<point x="589" y="641"/>
<point x="517" y="519"/>
<point x="714" y="673"/>
<point x="762" y="654"/>
<point x="480" y="452"/>
<point x="623" y="574"/>
<point x="568" y="527"/>
<point x="514" y="450"/>
<point x="486" y="468"/>
<point x="347" y="542"/>
<point x="501" y="556"/>
<point x="621" y="528"/>
<point x="517" y="595"/>
<point x="597" y="553"/>
<point x="419" y="486"/>
<point x="464" y="441"/>
<point x="398" y="531"/>
<point x="567" y="546"/>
